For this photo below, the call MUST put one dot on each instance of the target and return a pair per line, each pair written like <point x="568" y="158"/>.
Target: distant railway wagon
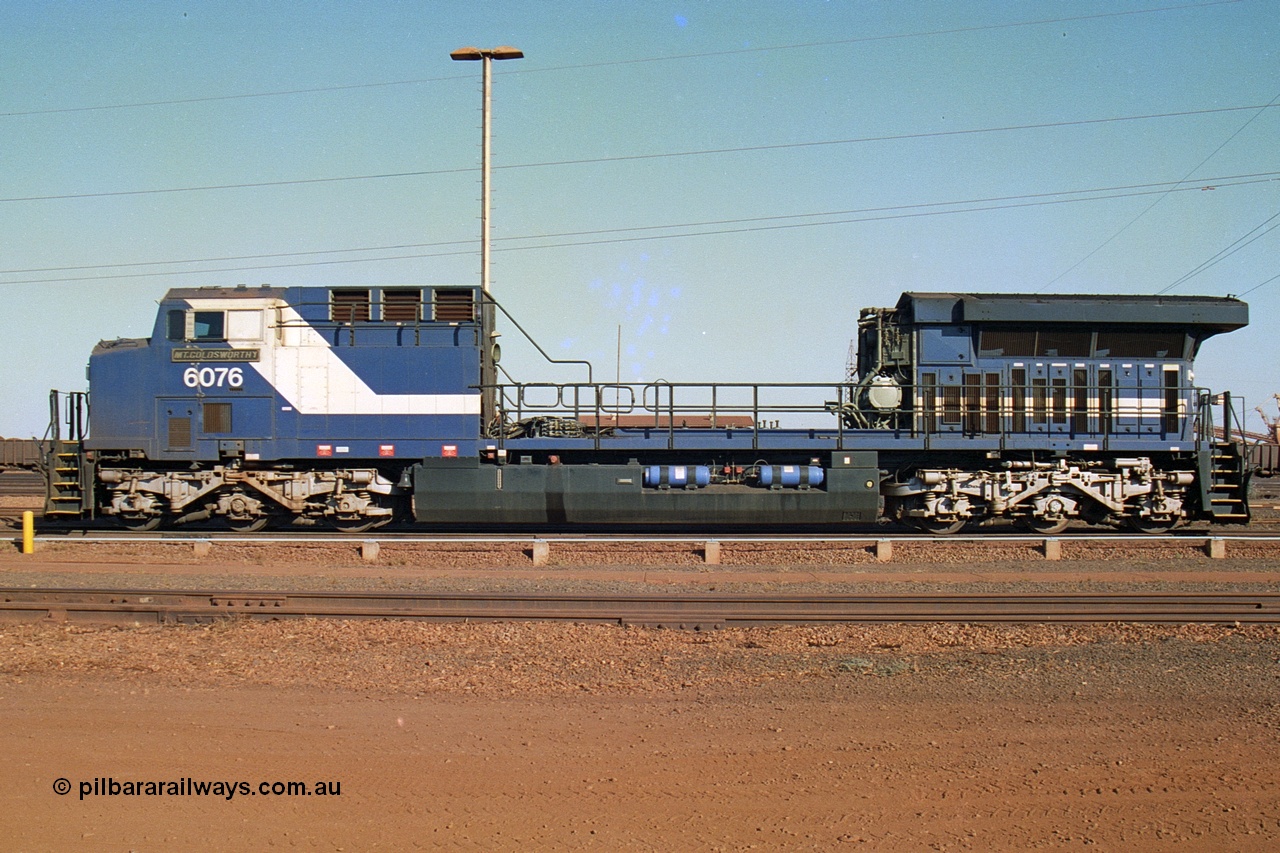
<point x="354" y="406"/>
<point x="1264" y="459"/>
<point x="19" y="454"/>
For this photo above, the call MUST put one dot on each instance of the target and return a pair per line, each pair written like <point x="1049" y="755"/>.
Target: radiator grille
<point x="217" y="417"/>
<point x="455" y="306"/>
<point x="401" y="306"/>
<point x="179" y="432"/>
<point x="349" y="306"/>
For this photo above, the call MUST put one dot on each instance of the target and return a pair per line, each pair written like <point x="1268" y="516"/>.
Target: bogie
<point x="247" y="501"/>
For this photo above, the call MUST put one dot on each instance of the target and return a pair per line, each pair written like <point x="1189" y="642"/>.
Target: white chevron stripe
<point x="303" y="368"/>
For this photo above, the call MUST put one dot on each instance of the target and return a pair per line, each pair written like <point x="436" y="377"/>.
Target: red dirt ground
<point x="1120" y="744"/>
<point x="569" y="737"/>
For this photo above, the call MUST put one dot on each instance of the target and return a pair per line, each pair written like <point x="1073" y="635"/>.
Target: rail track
<point x="866" y="537"/>
<point x="700" y="611"/>
<point x="24" y="483"/>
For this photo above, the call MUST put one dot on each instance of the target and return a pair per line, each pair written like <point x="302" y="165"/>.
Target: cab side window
<point x="210" y="326"/>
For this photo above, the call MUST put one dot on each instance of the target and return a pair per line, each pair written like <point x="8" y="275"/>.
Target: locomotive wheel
<point x="1044" y="526"/>
<point x="358" y="524"/>
<point x="1152" y="526"/>
<point x="938" y="526"/>
<point x="138" y="523"/>
<point x="252" y="525"/>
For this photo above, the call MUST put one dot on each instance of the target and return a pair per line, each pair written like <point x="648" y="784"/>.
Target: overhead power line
<point x="1230" y="250"/>
<point x="656" y="156"/>
<point x="642" y="233"/>
<point x="1256" y="286"/>
<point x="312" y="90"/>
<point x="173" y="102"/>
<point x="890" y="36"/>
<point x="898" y="137"/>
<point x="1155" y="202"/>
<point x="907" y="215"/>
<point x="242" y="186"/>
<point x="227" y="258"/>
<point x="1239" y="243"/>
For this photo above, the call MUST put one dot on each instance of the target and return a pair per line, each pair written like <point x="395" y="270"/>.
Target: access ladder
<point x="1224" y="469"/>
<point x="68" y="471"/>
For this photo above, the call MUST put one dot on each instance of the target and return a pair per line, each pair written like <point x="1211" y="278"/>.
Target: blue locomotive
<point x="356" y="406"/>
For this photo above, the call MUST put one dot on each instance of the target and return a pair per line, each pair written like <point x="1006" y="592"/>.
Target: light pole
<point x="487" y="56"/>
<point x="488" y="349"/>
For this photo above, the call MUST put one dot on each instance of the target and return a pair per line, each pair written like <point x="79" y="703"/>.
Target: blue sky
<point x="727" y="182"/>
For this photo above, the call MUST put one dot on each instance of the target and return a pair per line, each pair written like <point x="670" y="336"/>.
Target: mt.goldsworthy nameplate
<point x="195" y="354"/>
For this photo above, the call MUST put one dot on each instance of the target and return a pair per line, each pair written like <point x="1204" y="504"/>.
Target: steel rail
<point x="139" y="607"/>
<point x="443" y="538"/>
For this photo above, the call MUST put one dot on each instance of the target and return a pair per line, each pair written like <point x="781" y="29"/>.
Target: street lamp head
<point x="502" y="52"/>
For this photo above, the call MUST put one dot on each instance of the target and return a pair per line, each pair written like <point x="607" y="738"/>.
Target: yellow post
<point x="28" y="532"/>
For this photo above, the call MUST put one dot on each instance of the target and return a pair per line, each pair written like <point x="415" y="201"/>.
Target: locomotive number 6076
<point x="213" y="377"/>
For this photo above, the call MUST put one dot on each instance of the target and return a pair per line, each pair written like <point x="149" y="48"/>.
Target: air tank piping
<point x="666" y="477"/>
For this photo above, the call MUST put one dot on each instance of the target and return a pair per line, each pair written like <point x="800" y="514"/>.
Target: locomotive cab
<point x="311" y="402"/>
